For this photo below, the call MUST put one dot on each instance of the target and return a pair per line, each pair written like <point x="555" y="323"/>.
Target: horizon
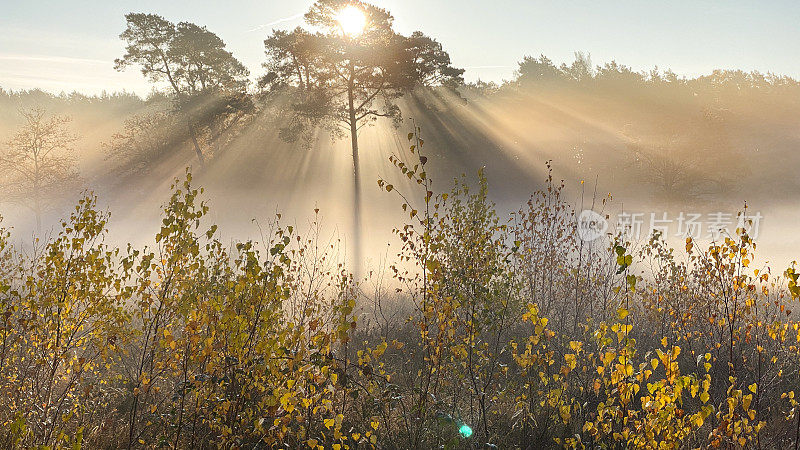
<point x="77" y="52"/>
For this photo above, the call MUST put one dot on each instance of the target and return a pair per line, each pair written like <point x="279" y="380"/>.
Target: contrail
<point x="275" y="22"/>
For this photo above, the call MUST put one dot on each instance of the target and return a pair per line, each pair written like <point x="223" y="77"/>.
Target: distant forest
<point x="686" y="139"/>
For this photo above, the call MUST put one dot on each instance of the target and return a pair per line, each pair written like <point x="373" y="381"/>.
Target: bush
<point x="516" y="334"/>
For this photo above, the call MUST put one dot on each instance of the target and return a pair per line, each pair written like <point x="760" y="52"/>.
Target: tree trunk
<point x="37" y="200"/>
<point x="197" y="150"/>
<point x="38" y="212"/>
<point x="356" y="185"/>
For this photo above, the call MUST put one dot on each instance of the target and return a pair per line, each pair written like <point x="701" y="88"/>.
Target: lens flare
<point x="352" y="20"/>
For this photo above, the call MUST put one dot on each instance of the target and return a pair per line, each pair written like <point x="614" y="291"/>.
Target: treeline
<point x="663" y="124"/>
<point x="541" y="71"/>
<point x="83" y="108"/>
<point x="532" y="72"/>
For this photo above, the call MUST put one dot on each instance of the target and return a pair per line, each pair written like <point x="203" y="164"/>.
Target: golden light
<point x="352" y="20"/>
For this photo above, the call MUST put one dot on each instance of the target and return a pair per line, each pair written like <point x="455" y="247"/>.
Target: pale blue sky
<point x="71" y="45"/>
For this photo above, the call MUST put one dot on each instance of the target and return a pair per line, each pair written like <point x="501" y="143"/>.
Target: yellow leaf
<point x="746" y="400"/>
<point x="698" y="421"/>
<point x="380" y="349"/>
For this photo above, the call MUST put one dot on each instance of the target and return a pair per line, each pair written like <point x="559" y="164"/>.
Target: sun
<point x="352" y="20"/>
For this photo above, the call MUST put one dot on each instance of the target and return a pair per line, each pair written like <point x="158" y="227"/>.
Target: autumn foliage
<point x="492" y="333"/>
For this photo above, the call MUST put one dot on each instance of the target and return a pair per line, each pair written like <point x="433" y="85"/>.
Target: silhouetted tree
<point x="542" y="70"/>
<point x="193" y="60"/>
<point x="538" y="70"/>
<point x="581" y="70"/>
<point x="36" y="165"/>
<point x="431" y="62"/>
<point x="343" y="82"/>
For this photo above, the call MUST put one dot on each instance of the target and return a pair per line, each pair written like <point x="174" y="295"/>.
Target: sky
<point x="65" y="46"/>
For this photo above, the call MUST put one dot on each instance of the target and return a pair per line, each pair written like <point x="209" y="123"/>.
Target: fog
<point x="700" y="146"/>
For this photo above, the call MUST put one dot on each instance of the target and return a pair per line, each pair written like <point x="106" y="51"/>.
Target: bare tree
<point x="37" y="165"/>
<point x="144" y="138"/>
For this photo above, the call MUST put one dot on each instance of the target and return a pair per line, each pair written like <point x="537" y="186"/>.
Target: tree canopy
<point x="324" y="67"/>
<point x="189" y="57"/>
<point x="205" y="77"/>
